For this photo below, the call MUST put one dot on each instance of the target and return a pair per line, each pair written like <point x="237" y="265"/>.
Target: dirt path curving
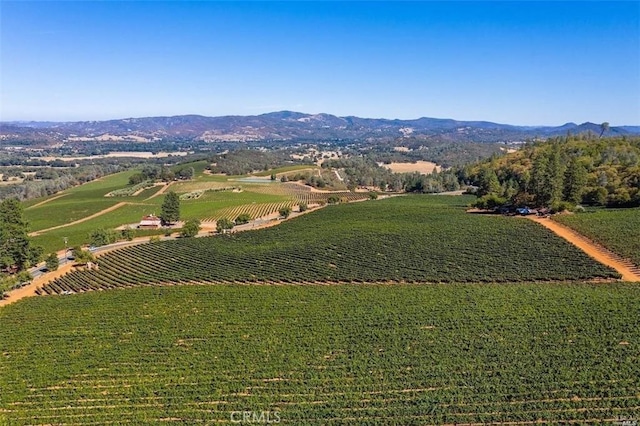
<point x="84" y="219"/>
<point x="46" y="201"/>
<point x="160" y="192"/>
<point x="594" y="250"/>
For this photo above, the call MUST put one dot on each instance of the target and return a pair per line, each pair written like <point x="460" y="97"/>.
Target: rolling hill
<point x="283" y="125"/>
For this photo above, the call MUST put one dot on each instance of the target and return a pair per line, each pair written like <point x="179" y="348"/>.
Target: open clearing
<point x="422" y="167"/>
<point x="342" y="354"/>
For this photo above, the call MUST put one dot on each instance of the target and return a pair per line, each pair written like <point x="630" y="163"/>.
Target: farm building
<point x="150" y="221"/>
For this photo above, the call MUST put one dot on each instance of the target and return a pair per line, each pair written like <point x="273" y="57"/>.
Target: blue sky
<point x="525" y="63"/>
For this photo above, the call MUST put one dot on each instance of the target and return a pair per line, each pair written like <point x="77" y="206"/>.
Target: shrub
<point x="127" y="234"/>
<point x="190" y="228"/>
<point x="52" y="262"/>
<point x="285" y="212"/>
<point x="224" y="224"/>
<point x="562" y="206"/>
<point x="242" y="219"/>
<point x="489" y="202"/>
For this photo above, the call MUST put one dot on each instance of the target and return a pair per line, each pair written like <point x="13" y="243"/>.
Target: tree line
<point x="561" y="172"/>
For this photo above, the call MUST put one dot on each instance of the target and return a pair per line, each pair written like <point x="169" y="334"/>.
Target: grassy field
<point x="86" y="200"/>
<point x="413" y="238"/>
<point x="78" y="202"/>
<point x="616" y="229"/>
<point x="346" y="354"/>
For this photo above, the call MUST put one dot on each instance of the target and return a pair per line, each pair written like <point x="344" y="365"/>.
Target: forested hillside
<point x="562" y="171"/>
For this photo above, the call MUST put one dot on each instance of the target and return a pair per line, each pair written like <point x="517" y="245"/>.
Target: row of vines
<point x="402" y="239"/>
<point x="525" y="353"/>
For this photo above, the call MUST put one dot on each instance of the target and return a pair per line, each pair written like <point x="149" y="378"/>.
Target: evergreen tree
<point x="556" y="177"/>
<point x="575" y="180"/>
<point x="170" y="208"/>
<point x="488" y="183"/>
<point x="16" y="250"/>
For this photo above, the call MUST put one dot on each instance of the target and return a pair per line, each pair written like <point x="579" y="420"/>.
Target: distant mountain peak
<point x="285" y="125"/>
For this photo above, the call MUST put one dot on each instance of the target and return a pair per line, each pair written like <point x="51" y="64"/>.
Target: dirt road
<point x="207" y="229"/>
<point x="46" y="201"/>
<point x="160" y="191"/>
<point x="597" y="252"/>
<point x="84" y="219"/>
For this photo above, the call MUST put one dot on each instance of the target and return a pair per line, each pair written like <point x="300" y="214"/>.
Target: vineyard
<point x="401" y="239"/>
<point x="616" y="229"/>
<point x="131" y="190"/>
<point x="305" y="194"/>
<point x="321" y="355"/>
<point x="253" y="210"/>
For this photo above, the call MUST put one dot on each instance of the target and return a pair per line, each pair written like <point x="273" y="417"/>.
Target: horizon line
<point x="309" y="114"/>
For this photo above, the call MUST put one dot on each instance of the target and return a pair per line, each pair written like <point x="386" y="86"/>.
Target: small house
<point x="150" y="222"/>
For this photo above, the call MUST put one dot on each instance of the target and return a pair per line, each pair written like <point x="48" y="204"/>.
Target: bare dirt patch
<point x="422" y="167"/>
<point x="30" y="289"/>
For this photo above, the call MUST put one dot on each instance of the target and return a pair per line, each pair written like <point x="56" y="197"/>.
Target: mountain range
<point x="284" y="125"/>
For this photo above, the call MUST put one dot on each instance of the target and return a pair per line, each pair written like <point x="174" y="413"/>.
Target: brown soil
<point x="84" y="219"/>
<point x="30" y="290"/>
<point x="422" y="167"/>
<point x="597" y="252"/>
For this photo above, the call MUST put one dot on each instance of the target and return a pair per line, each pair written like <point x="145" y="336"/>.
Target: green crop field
<point x="77" y="203"/>
<point x="616" y="229"/>
<point x="312" y="354"/>
<point x="412" y="238"/>
<point x="88" y="199"/>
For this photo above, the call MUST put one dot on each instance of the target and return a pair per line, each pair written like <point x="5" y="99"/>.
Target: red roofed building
<point x="150" y="221"/>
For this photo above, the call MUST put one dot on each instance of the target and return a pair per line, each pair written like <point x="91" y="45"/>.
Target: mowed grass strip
<point x="402" y="239"/>
<point x="79" y="202"/>
<point x="79" y="234"/>
<point x="344" y="354"/>
<point x="616" y="229"/>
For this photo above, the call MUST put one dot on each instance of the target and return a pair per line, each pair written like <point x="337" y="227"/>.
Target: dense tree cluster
<point x="16" y="251"/>
<point x="152" y="172"/>
<point x="243" y="161"/>
<point x="571" y="170"/>
<point x="363" y="171"/>
<point x="443" y="152"/>
<point x="47" y="182"/>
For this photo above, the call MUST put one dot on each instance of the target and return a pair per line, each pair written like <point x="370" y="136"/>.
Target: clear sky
<point x="527" y="63"/>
